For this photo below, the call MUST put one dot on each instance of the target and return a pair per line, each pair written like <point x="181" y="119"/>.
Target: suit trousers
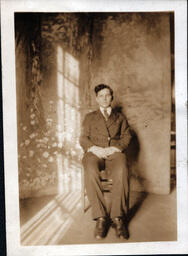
<point x="116" y="165"/>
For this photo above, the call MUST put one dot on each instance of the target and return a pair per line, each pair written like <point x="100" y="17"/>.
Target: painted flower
<point x="27" y="142"/>
<point x="25" y="182"/>
<point x="73" y="153"/>
<point x="54" y="145"/>
<point x="49" y="120"/>
<point x="21" y="144"/>
<point x="45" y="154"/>
<point x="60" y="136"/>
<point x="47" y="133"/>
<point x="59" y="127"/>
<point x="50" y="159"/>
<point x="32" y="115"/>
<point x="31" y="153"/>
<point x="45" y="140"/>
<point x="32" y="122"/>
<point x="32" y="135"/>
<point x="60" y="145"/>
<point x="25" y="128"/>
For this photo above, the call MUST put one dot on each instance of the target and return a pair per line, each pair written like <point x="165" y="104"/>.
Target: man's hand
<point x="111" y="150"/>
<point x="103" y="152"/>
<point x="98" y="151"/>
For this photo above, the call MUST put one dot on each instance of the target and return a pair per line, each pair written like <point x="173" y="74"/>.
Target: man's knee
<point x="89" y="159"/>
<point x="120" y="158"/>
<point x="90" y="163"/>
<point x="119" y="166"/>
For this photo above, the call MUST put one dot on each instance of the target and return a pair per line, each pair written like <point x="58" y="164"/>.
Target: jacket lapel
<point x="112" y="118"/>
<point x="101" y="122"/>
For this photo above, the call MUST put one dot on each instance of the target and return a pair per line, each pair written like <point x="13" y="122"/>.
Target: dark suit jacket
<point x="96" y="131"/>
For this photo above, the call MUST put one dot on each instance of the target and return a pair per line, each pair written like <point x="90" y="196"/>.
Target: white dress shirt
<point x="109" y="110"/>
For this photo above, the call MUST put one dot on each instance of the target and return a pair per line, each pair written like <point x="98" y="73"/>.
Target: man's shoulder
<point x="91" y="114"/>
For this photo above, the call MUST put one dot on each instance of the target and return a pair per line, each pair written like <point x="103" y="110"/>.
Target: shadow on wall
<point x="132" y="153"/>
<point x="132" y="156"/>
<point x="135" y="178"/>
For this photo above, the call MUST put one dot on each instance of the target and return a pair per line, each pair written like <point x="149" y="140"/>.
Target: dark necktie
<point x="105" y="114"/>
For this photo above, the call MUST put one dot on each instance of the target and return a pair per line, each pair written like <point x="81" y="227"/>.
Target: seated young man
<point x="104" y="137"/>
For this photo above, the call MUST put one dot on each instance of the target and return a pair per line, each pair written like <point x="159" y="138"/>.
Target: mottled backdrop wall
<point x="59" y="60"/>
<point x="133" y="57"/>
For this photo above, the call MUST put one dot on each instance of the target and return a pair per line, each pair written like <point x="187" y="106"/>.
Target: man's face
<point x="104" y="98"/>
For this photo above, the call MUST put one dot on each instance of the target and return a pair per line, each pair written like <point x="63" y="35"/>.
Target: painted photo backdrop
<point x="60" y="58"/>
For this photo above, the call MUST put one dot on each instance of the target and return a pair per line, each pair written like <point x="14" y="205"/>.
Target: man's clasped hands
<point x="103" y="152"/>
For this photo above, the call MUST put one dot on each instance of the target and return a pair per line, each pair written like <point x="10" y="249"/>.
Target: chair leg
<point x="83" y="193"/>
<point x="83" y="190"/>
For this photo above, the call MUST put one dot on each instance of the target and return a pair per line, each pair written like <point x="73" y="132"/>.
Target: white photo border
<point x="8" y="8"/>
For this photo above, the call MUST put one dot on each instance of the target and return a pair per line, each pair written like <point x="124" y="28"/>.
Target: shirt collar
<point x="109" y="110"/>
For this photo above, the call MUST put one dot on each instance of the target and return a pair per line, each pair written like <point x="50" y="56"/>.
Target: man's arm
<point x="85" y="141"/>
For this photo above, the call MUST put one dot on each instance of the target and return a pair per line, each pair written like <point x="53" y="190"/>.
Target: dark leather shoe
<point x="101" y="228"/>
<point x="121" y="228"/>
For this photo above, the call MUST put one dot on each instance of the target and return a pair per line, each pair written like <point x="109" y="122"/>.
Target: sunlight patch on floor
<point x="50" y="224"/>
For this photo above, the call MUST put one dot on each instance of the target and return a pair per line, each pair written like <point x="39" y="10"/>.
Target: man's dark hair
<point x="101" y="87"/>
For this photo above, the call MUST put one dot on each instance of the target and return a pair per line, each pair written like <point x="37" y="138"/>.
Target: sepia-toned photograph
<point x="96" y="127"/>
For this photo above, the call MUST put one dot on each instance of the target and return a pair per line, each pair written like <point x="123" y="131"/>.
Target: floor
<point x="59" y="220"/>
